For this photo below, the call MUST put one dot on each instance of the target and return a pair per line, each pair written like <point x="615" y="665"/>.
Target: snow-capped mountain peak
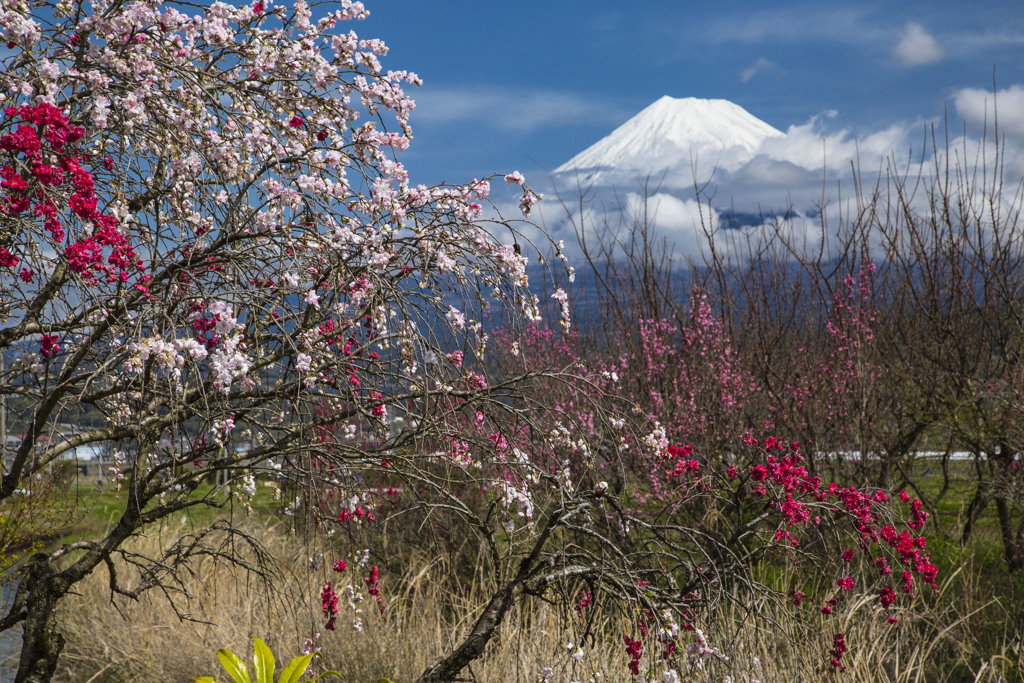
<point x="674" y="135"/>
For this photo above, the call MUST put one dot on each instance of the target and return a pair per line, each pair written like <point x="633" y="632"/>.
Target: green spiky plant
<point x="263" y="667"/>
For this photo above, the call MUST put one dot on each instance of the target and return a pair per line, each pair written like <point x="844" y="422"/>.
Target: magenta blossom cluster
<point x="329" y="603"/>
<point x="373" y="587"/>
<point x="635" y="651"/>
<point x="44" y="148"/>
<point x="796" y="496"/>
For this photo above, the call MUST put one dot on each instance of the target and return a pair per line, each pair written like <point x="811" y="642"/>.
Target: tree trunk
<point x="42" y="643"/>
<point x="472" y="647"/>
<point x="978" y="502"/>
<point x="1001" y="465"/>
<point x="1010" y="548"/>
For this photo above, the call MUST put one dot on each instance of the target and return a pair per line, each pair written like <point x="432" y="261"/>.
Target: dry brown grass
<point x="959" y="635"/>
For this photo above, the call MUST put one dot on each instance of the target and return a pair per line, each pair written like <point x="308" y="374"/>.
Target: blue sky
<point x="527" y="85"/>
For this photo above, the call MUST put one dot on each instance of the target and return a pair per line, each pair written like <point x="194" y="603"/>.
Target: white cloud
<point x="682" y="223"/>
<point x="671" y="214"/>
<point x="606" y="220"/>
<point x="809" y="148"/>
<point x="761" y="64"/>
<point x="984" y="41"/>
<point x="977" y="106"/>
<point x="803" y="234"/>
<point x="916" y="46"/>
<point x="848" y="25"/>
<point x="520" y="110"/>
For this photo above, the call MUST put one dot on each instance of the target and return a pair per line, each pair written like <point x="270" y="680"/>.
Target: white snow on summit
<point x="674" y="137"/>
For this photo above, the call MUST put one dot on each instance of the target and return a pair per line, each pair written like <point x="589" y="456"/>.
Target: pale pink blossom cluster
<point x="528" y="200"/>
<point x="657" y="439"/>
<point x="169" y="356"/>
<point x="18" y="27"/>
<point x="699" y="651"/>
<point x="562" y="298"/>
<point x="229" y="362"/>
<point x="456" y="318"/>
<point x="517" y="497"/>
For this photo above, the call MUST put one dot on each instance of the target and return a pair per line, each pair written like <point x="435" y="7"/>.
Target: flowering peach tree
<point x="684" y="506"/>
<point x="207" y="240"/>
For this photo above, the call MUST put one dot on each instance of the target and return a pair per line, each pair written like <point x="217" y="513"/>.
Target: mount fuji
<point x="675" y="141"/>
<point x="686" y="165"/>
